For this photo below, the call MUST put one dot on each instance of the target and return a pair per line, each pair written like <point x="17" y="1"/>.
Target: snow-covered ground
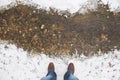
<point x="17" y="64"/>
<point x="71" y="5"/>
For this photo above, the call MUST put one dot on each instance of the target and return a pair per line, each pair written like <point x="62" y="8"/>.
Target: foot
<point x="51" y="67"/>
<point x="71" y="67"/>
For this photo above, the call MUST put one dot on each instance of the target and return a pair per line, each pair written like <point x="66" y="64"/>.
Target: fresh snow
<point x="17" y="64"/>
<point x="70" y="5"/>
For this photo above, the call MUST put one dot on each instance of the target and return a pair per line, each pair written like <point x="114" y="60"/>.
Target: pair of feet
<point x="70" y="67"/>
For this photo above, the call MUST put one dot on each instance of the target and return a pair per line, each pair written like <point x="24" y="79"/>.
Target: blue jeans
<point x="69" y="76"/>
<point x="51" y="75"/>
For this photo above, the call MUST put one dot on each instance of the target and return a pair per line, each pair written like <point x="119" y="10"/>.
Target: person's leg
<point x="69" y="75"/>
<point x="51" y="75"/>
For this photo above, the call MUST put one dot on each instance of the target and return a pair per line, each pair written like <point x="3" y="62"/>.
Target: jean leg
<point x="51" y="75"/>
<point x="69" y="76"/>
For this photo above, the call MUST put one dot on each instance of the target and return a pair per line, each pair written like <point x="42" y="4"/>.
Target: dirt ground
<point x="60" y="32"/>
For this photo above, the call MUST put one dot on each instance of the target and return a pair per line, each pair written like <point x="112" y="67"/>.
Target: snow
<point x="71" y="5"/>
<point x="17" y="64"/>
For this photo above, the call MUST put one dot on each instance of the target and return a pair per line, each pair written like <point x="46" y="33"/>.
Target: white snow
<point x="71" y="5"/>
<point x="17" y="64"/>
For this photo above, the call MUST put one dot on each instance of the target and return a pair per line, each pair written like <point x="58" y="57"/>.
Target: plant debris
<point x="60" y="32"/>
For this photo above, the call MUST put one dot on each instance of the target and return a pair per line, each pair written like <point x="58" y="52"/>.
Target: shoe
<point x="71" y="67"/>
<point x="51" y="67"/>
